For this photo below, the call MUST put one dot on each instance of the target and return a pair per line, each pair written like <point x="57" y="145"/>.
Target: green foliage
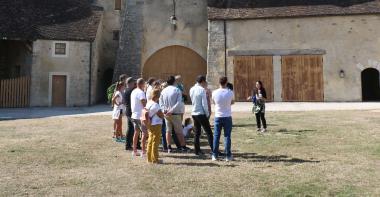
<point x="110" y="92"/>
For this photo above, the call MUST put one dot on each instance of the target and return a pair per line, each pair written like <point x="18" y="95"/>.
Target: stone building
<point x="317" y="50"/>
<point x="57" y="46"/>
<point x="62" y="49"/>
<point x="110" y="39"/>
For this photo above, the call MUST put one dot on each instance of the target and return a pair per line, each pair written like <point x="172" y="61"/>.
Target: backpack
<point x="110" y="92"/>
<point x="145" y="118"/>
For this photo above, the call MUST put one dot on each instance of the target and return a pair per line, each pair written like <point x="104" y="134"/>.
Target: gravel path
<point x="27" y="113"/>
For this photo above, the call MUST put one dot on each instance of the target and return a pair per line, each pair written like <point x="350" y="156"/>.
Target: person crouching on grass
<point x="118" y="110"/>
<point x="154" y="128"/>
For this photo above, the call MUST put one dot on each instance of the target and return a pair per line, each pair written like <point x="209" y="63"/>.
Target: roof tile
<point x="252" y="9"/>
<point x="47" y="19"/>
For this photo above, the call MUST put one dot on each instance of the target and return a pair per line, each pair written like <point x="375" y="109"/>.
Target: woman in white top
<point x="118" y="110"/>
<point x="156" y="116"/>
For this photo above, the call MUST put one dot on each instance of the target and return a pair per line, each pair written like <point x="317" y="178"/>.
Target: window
<point x="116" y="34"/>
<point x="117" y="4"/>
<point x="60" y="49"/>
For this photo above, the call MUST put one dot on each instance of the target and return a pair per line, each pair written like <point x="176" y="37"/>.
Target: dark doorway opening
<point x="15" y="58"/>
<point x="370" y="85"/>
<point x="106" y="82"/>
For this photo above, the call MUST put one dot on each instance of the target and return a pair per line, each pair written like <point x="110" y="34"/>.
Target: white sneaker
<point x="258" y="130"/>
<point x="142" y="154"/>
<point x="134" y="154"/>
<point x="228" y="159"/>
<point x="263" y="130"/>
<point x="213" y="158"/>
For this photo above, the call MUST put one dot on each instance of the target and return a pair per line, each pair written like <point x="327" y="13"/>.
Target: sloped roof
<point x="49" y="19"/>
<point x="253" y="9"/>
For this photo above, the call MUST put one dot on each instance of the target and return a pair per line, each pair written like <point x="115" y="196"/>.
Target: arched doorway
<point x="370" y="85"/>
<point x="175" y="60"/>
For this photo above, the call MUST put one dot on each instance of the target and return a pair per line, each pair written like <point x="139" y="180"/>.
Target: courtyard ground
<point x="305" y="153"/>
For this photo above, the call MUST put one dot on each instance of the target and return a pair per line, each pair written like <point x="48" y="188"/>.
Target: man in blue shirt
<point x="200" y="113"/>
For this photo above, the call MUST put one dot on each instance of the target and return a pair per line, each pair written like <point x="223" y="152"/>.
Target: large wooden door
<point x="59" y="91"/>
<point x="302" y="78"/>
<point x="15" y="92"/>
<point x="248" y="70"/>
<point x="175" y="60"/>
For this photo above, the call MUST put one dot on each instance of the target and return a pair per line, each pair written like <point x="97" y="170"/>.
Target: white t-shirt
<point x="153" y="108"/>
<point x="118" y="106"/>
<point x="136" y="105"/>
<point x="119" y="101"/>
<point x="186" y="130"/>
<point x="222" y="98"/>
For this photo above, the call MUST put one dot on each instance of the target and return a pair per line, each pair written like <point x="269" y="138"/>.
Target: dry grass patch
<point x="333" y="153"/>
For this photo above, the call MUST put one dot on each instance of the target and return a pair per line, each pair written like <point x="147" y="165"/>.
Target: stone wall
<point x="98" y="86"/>
<point x="75" y="66"/>
<point x="109" y="46"/>
<point x="216" y="52"/>
<point x="130" y="45"/>
<point x="190" y="31"/>
<point x="111" y="23"/>
<point x="146" y="29"/>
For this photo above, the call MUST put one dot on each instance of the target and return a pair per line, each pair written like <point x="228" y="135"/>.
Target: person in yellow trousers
<point x="156" y="116"/>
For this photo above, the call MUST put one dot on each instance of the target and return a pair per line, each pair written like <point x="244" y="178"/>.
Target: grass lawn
<point x="334" y="153"/>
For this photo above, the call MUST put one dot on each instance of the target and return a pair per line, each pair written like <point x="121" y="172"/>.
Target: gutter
<point x="90" y="77"/>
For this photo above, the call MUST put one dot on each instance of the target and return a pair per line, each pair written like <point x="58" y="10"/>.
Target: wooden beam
<point x="276" y="52"/>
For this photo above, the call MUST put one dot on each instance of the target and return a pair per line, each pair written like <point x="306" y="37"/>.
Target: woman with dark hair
<point x="230" y="86"/>
<point x="258" y="97"/>
<point x="118" y="111"/>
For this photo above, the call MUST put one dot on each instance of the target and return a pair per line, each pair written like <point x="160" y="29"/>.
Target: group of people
<point x="155" y="109"/>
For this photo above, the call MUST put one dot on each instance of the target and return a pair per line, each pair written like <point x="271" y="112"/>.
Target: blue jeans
<point x="219" y="124"/>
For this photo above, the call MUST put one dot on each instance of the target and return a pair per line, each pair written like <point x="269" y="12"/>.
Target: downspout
<point x="225" y="47"/>
<point x="90" y="76"/>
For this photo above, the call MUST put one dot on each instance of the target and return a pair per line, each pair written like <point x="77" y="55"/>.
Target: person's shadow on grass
<point x="254" y="157"/>
<point x="249" y="157"/>
<point x="196" y="161"/>
<point x="195" y="164"/>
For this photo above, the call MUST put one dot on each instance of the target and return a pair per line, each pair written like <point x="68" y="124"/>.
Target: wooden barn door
<point x="248" y="70"/>
<point x="302" y="78"/>
<point x="59" y="91"/>
<point x="175" y="60"/>
<point x="15" y="92"/>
